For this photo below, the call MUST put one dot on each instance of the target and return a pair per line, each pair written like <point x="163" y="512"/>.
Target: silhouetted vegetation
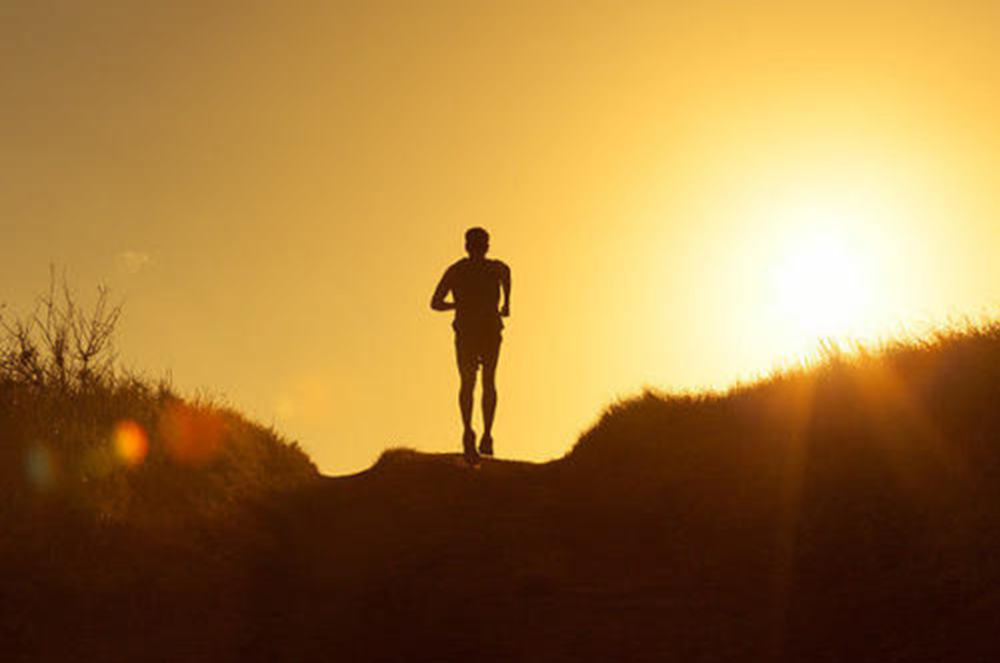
<point x="105" y="447"/>
<point x="123" y="504"/>
<point x="922" y="411"/>
<point x="845" y="511"/>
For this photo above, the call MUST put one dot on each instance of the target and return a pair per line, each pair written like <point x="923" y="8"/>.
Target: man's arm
<point x="443" y="287"/>
<point x="505" y="287"/>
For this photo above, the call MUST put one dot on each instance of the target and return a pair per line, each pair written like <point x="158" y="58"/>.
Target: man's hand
<point x="505" y="287"/>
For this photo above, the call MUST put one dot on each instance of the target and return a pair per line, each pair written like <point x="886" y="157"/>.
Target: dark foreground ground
<point x="424" y="559"/>
<point x="518" y="562"/>
<point x="847" y="513"/>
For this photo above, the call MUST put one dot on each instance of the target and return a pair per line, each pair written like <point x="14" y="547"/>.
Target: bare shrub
<point x="61" y="344"/>
<point x="116" y="446"/>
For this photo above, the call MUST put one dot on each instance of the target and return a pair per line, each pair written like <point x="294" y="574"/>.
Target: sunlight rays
<point x="793" y="468"/>
<point x="912" y="439"/>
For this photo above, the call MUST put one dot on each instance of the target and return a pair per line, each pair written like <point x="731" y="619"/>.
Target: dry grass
<point x="94" y="447"/>
<point x="849" y="510"/>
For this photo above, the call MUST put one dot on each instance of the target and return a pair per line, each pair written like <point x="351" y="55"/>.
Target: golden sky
<point x="687" y="192"/>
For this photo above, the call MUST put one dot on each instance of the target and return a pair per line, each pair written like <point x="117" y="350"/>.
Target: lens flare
<point x="131" y="442"/>
<point x="191" y="436"/>
<point x="39" y="465"/>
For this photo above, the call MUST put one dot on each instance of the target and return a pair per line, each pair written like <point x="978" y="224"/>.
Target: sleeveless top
<point x="475" y="285"/>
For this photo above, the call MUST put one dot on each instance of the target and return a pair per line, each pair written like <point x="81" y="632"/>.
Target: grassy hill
<point x="129" y="515"/>
<point x="846" y="512"/>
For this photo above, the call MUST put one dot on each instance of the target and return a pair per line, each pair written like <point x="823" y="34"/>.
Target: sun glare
<point x="821" y="287"/>
<point x="826" y="263"/>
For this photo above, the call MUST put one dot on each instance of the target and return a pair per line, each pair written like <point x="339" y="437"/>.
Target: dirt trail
<point x="422" y="558"/>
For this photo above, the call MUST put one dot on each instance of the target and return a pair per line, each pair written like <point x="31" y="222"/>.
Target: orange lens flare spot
<point x="191" y="436"/>
<point x="131" y="442"/>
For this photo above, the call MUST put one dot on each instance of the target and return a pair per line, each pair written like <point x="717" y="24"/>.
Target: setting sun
<point x="821" y="288"/>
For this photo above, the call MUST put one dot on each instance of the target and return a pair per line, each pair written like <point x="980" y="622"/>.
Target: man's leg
<point x="491" y="354"/>
<point x="465" y="399"/>
<point x="467" y="372"/>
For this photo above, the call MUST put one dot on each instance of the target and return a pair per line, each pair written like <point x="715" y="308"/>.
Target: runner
<point x="475" y="284"/>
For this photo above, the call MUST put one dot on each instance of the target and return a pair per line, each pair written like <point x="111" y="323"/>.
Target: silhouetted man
<point x="475" y="284"/>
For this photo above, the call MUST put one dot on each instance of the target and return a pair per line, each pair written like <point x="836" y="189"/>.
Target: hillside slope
<point x="849" y="512"/>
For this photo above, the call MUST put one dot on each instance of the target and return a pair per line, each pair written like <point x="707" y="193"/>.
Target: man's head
<point x="477" y="242"/>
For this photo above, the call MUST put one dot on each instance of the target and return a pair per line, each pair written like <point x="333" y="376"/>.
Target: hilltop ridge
<point x="847" y="511"/>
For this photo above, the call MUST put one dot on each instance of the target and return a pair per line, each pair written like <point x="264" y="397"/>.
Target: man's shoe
<point x="486" y="445"/>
